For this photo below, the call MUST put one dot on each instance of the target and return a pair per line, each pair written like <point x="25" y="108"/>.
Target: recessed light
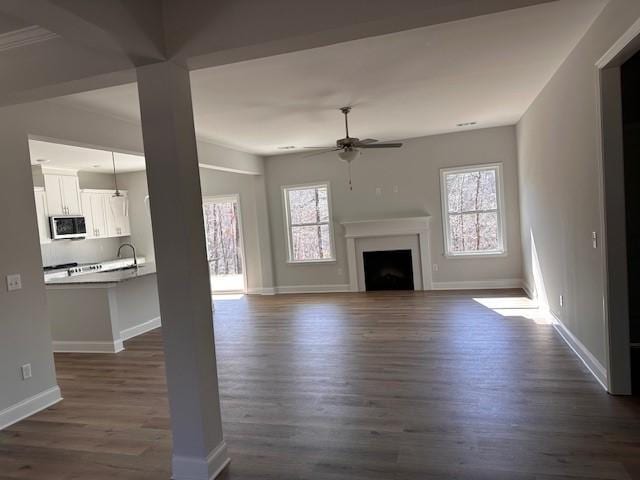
<point x="95" y="166"/>
<point x="42" y="160"/>
<point x="287" y="147"/>
<point x="467" y="124"/>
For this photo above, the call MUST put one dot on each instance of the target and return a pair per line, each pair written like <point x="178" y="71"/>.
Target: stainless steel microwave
<point x="67" y="227"/>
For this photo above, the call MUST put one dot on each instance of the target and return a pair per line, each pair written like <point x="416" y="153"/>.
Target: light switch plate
<point x="14" y="282"/>
<point x="26" y="371"/>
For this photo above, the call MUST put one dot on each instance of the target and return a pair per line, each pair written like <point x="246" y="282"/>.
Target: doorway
<point x="225" y="249"/>
<point x="630" y="76"/>
<point x="620" y="208"/>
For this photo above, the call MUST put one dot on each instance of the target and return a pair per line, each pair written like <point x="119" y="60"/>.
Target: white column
<point x="199" y="451"/>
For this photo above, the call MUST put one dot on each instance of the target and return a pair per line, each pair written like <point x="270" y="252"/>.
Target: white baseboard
<point x="531" y="293"/>
<point x="87" y="347"/>
<point x="479" y="284"/>
<point x="29" y="406"/>
<point x="595" y="367"/>
<point x="340" y="288"/>
<point x="189" y="468"/>
<point x="145" y="327"/>
<point x="261" y="291"/>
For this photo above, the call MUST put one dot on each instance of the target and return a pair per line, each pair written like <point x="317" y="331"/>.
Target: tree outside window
<point x="308" y="223"/>
<point x="472" y="211"/>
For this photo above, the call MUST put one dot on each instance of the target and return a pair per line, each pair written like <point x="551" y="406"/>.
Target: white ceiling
<point x="82" y="159"/>
<point x="410" y="84"/>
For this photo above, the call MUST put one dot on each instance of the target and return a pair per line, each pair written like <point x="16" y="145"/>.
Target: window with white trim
<point x="309" y="226"/>
<point x="472" y="210"/>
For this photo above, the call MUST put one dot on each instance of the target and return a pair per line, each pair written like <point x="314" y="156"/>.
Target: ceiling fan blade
<point x="382" y="145"/>
<point x="321" y="152"/>
<point x="367" y="141"/>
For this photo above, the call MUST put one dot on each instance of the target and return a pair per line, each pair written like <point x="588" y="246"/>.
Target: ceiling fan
<point x="348" y="148"/>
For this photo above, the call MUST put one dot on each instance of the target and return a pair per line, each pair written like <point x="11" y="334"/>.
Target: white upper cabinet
<point x="94" y="211"/>
<point x="71" y="194"/>
<point x="99" y="214"/>
<point x="118" y="216"/>
<point x="105" y="215"/>
<point x="63" y="197"/>
<point x="42" y="215"/>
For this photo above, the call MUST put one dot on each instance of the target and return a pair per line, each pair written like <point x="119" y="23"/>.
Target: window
<point x="309" y="227"/>
<point x="472" y="210"/>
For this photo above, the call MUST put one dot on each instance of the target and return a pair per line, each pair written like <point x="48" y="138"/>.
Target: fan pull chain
<point x="350" y="184"/>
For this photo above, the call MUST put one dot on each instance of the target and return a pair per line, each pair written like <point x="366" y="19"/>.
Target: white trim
<point x="500" y="210"/>
<point x="144" y="327"/>
<point x="531" y="293"/>
<point x="339" y="288"/>
<point x="287" y="221"/>
<point x="226" y="169"/>
<point x="610" y="161"/>
<point x="479" y="284"/>
<point x="619" y="47"/>
<point x="591" y="362"/>
<point x="193" y="468"/>
<point x="261" y="291"/>
<point x="389" y="227"/>
<point x="29" y="406"/>
<point x="87" y="347"/>
<point x="25" y="36"/>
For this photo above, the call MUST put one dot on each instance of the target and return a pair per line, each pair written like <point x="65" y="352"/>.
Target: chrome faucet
<point x="135" y="259"/>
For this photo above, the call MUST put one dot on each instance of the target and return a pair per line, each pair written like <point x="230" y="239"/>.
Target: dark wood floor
<point x="344" y="387"/>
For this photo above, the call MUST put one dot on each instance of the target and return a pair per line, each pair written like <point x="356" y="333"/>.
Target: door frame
<point x="612" y="203"/>
<point x="235" y="197"/>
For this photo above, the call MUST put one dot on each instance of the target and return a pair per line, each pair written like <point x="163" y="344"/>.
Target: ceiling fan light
<point x="349" y="155"/>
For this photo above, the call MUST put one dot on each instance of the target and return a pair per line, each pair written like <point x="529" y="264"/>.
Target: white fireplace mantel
<point x="390" y="227"/>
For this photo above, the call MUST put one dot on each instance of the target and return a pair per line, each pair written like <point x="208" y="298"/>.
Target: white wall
<point x="141" y="232"/>
<point x="212" y="183"/>
<point x="25" y="336"/>
<point x="415" y="170"/>
<point x="558" y="176"/>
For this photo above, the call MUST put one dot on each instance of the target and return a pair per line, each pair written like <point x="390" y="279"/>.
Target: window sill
<point x="475" y="255"/>
<point x="311" y="262"/>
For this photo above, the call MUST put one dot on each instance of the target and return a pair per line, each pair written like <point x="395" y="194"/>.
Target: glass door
<point x="224" y="244"/>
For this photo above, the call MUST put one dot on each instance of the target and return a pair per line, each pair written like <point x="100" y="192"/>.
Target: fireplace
<point x="388" y="270"/>
<point x="387" y="235"/>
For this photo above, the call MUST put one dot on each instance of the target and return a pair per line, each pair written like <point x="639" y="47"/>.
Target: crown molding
<point x="25" y="36"/>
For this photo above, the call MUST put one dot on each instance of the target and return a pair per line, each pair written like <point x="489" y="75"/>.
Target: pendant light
<point x="115" y="176"/>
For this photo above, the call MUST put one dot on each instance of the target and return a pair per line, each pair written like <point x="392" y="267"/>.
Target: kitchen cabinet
<point x="62" y="192"/>
<point x="118" y="222"/>
<point x="42" y="215"/>
<point x="95" y="214"/>
<point x="105" y="215"/>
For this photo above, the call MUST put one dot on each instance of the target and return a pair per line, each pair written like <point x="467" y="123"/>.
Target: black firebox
<point x="388" y="270"/>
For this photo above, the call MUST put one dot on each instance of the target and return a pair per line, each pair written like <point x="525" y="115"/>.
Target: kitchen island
<point x="96" y="312"/>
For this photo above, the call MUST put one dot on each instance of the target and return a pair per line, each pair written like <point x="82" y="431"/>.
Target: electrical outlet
<point x="26" y="371"/>
<point x="562" y="301"/>
<point x="14" y="282"/>
<point x="395" y="189"/>
<point x="435" y="267"/>
<point x="339" y="270"/>
<point x="378" y="191"/>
